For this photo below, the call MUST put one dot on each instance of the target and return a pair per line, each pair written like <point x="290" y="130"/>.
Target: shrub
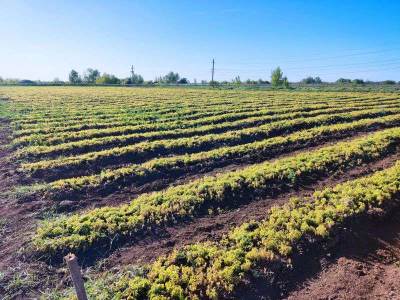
<point x="343" y="80"/>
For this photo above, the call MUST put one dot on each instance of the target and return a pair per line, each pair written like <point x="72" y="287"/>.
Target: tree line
<point x="93" y="76"/>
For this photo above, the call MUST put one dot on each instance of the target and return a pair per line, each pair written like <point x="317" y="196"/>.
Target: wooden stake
<point x="76" y="276"/>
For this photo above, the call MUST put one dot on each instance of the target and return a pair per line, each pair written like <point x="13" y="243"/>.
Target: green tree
<point x="90" y="75"/>
<point x="358" y="81"/>
<point x="308" y="80"/>
<point x="74" y="77"/>
<point x="343" y="80"/>
<point x="277" y="77"/>
<point x="285" y="82"/>
<point x="136" y="79"/>
<point x="317" y="80"/>
<point x="388" y="82"/>
<point x="237" y="80"/>
<point x="171" y="77"/>
<point x="183" y="81"/>
<point x="11" y="80"/>
<point x="107" y="79"/>
<point x="260" y="81"/>
<point x="57" y="80"/>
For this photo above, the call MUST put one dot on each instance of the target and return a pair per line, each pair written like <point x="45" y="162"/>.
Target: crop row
<point x="206" y="119"/>
<point x="214" y="269"/>
<point x="133" y="116"/>
<point x="191" y="144"/>
<point x="36" y="107"/>
<point x="142" y="127"/>
<point x="260" y="150"/>
<point x="244" y="121"/>
<point x="131" y="110"/>
<point x="118" y="121"/>
<point x="44" y="128"/>
<point x="81" y="232"/>
<point x="60" y="137"/>
<point x="107" y="142"/>
<point x="112" y="109"/>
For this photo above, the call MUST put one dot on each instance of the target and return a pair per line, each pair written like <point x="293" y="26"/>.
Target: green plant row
<point x="36" y="109"/>
<point x="80" y="232"/>
<point x="134" y="119"/>
<point x="212" y="270"/>
<point x="262" y="149"/>
<point x="71" y="137"/>
<point x="45" y="129"/>
<point x="56" y="138"/>
<point x="195" y="143"/>
<point x="134" y="112"/>
<point x="99" y="143"/>
<point x="111" y="110"/>
<point x="130" y="113"/>
<point x="68" y="134"/>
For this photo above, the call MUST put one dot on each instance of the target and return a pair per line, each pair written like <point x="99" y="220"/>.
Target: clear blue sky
<point x="43" y="39"/>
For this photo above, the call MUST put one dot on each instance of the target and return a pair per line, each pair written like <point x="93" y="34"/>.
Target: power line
<point x="311" y="59"/>
<point x="343" y="73"/>
<point x="303" y="71"/>
<point x="326" y="53"/>
<point x="316" y="67"/>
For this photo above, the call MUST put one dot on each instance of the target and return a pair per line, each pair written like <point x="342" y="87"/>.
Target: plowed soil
<point x="364" y="264"/>
<point x="213" y="227"/>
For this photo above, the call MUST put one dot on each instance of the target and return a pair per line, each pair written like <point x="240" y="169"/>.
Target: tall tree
<point x="107" y="79"/>
<point x="90" y="75"/>
<point x="74" y="77"/>
<point x="276" y="77"/>
<point x="171" y="77"/>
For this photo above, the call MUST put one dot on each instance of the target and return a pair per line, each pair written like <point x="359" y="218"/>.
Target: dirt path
<point x="212" y="227"/>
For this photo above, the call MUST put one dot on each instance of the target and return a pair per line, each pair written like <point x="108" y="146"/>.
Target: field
<point x="199" y="193"/>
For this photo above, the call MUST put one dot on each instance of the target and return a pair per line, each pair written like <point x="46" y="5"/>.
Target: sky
<point x="43" y="39"/>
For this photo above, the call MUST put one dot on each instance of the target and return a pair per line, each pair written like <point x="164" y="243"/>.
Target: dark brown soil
<point x="216" y="130"/>
<point x="361" y="262"/>
<point x="365" y="265"/>
<point x="121" y="191"/>
<point x="90" y="167"/>
<point x="18" y="222"/>
<point x="213" y="227"/>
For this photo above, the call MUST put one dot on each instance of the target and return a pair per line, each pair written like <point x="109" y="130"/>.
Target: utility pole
<point x="132" y="73"/>
<point x="212" y="72"/>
